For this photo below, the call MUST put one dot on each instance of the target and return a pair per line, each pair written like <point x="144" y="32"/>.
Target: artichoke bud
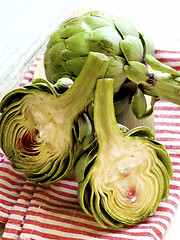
<point x="37" y="123"/>
<point x="139" y="105"/>
<point x="125" y="176"/>
<point x="63" y="84"/>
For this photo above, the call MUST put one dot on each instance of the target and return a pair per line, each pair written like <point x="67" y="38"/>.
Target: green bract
<point x="118" y="38"/>
<point x="125" y="176"/>
<point x="42" y="130"/>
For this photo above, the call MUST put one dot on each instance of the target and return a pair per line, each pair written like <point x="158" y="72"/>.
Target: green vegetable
<point x="96" y="31"/>
<point x="118" y="38"/>
<point x="42" y="130"/>
<point x="159" y="81"/>
<point x="126" y="174"/>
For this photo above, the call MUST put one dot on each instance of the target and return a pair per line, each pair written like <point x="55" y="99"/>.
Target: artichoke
<point x="42" y="130"/>
<point x="118" y="38"/>
<point x="123" y="178"/>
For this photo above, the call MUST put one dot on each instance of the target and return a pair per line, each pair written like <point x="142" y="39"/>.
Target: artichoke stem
<point x="82" y="91"/>
<point x="104" y="116"/>
<point x="163" y="86"/>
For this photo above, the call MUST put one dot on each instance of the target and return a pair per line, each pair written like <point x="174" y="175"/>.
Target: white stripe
<point x="28" y="74"/>
<point x="7" y="206"/>
<point x="157" y="218"/>
<point x="168" y="206"/>
<point x="63" y="189"/>
<point x="168" y="135"/>
<point x="71" y="183"/>
<point x="168" y="112"/>
<point x="15" y="217"/>
<point x="173" y="151"/>
<point x="172" y="128"/>
<point x="176" y="200"/>
<point x="165" y="104"/>
<point x="167" y="55"/>
<point x="10" y="235"/>
<point x="166" y="120"/>
<point x="51" y="201"/>
<point x="170" y="143"/>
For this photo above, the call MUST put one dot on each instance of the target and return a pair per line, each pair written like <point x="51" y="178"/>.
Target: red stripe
<point x="3" y="219"/>
<point x="167" y="131"/>
<point x="28" y="78"/>
<point x="177" y="68"/>
<point x="9" y="196"/>
<point x="31" y="72"/>
<point x="173" y="116"/>
<point x="167" y="124"/>
<point x="176" y="170"/>
<point x="174" y="155"/>
<point x="174" y="187"/>
<point x="165" y="60"/>
<point x="172" y="147"/>
<point x="167" y="108"/>
<point x="161" y="139"/>
<point x="10" y="189"/>
<point x="6" y="211"/>
<point x="165" y="209"/>
<point x="157" y="51"/>
<point x="11" y="173"/>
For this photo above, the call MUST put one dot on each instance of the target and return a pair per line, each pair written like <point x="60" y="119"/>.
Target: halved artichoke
<point x="41" y="130"/>
<point x="125" y="176"/>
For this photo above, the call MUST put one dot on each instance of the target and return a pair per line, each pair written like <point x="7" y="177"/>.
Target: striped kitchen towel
<point x="33" y="211"/>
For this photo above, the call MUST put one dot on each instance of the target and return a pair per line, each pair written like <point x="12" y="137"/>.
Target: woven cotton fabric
<point x="34" y="211"/>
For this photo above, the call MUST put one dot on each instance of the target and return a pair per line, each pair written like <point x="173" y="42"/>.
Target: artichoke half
<point x="125" y="176"/>
<point x="118" y="38"/>
<point x="41" y="130"/>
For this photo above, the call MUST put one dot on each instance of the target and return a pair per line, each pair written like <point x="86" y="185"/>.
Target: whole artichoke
<point x="117" y="38"/>
<point x="123" y="178"/>
<point x="42" y="126"/>
<point x="95" y="31"/>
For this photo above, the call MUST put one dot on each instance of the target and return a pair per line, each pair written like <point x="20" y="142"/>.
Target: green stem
<point x="104" y="116"/>
<point x="163" y="86"/>
<point x="81" y="92"/>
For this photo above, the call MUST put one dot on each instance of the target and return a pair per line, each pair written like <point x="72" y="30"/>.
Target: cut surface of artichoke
<point x="125" y="176"/>
<point x="38" y="124"/>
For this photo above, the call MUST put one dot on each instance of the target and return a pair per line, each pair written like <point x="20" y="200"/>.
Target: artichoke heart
<point x="41" y="129"/>
<point x="125" y="176"/>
